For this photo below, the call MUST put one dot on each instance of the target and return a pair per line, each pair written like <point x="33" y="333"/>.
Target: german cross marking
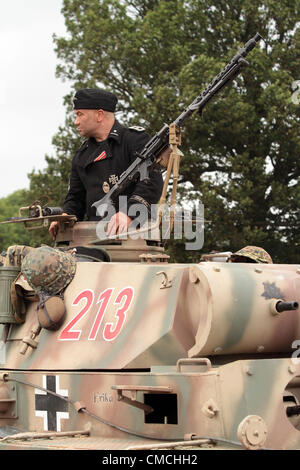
<point x="49" y="407"/>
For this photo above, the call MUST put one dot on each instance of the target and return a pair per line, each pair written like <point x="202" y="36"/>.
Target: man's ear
<point x="99" y="115"/>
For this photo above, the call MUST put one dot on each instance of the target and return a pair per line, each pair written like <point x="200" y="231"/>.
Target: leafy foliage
<point x="14" y="233"/>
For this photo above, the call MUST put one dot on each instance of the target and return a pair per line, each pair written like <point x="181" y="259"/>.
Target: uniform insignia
<point x="102" y="156"/>
<point x="105" y="187"/>
<point x="49" y="407"/>
<point x="137" y="128"/>
<point x="113" y="179"/>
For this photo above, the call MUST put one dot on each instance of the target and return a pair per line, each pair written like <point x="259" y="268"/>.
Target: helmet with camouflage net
<point x="255" y="253"/>
<point x="48" y="270"/>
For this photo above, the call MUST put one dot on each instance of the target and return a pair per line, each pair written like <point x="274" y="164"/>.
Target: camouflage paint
<point x="243" y="306"/>
<point x="191" y="311"/>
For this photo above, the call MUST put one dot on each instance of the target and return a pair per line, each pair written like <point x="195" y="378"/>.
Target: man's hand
<point x="163" y="157"/>
<point x="118" y="224"/>
<point x="54" y="228"/>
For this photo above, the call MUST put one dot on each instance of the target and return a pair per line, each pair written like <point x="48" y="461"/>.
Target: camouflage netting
<point x="48" y="270"/>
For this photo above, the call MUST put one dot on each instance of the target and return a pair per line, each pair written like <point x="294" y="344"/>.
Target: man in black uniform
<point x="100" y="161"/>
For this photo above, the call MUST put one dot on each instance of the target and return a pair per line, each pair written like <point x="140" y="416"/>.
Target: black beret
<point x="95" y="98"/>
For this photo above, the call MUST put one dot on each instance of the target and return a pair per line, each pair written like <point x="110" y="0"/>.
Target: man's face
<point x="87" y="121"/>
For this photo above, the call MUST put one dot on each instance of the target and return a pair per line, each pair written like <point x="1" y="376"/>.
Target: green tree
<point x="241" y="159"/>
<point x="14" y="233"/>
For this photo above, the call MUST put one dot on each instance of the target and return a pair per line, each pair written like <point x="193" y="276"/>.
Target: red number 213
<point x="111" y="329"/>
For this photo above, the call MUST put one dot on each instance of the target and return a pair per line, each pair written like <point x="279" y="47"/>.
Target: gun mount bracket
<point x="133" y="389"/>
<point x="166" y="282"/>
<point x="210" y="408"/>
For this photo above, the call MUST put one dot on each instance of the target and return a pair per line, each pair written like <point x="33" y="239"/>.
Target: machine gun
<point x="36" y="210"/>
<point x="147" y="157"/>
<point x="34" y="213"/>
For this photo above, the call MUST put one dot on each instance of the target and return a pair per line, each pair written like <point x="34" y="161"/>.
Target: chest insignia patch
<point x="102" y="156"/>
<point x="113" y="179"/>
<point x="105" y="187"/>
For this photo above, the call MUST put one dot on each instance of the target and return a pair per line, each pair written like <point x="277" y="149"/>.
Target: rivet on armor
<point x="292" y="369"/>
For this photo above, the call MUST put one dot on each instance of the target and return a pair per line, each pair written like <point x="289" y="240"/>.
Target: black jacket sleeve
<point x="75" y="201"/>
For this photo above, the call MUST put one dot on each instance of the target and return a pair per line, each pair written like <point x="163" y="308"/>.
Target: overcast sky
<point x="31" y="97"/>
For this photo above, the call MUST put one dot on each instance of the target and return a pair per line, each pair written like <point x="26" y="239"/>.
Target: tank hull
<point x="112" y="410"/>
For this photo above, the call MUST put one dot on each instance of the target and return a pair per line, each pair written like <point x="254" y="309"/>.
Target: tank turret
<point x="132" y="351"/>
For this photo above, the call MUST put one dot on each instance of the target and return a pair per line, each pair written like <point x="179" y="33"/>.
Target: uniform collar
<point x="116" y="131"/>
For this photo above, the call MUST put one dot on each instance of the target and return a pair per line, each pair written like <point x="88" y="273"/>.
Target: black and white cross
<point x="49" y="407"/>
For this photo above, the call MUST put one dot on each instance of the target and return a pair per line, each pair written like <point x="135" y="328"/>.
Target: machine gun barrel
<point x="51" y="211"/>
<point x="146" y="158"/>
<point x="38" y="211"/>
<point x="35" y="211"/>
<point x="230" y="71"/>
